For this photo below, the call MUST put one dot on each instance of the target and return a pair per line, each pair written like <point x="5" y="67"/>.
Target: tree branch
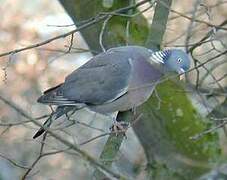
<point x="74" y="147"/>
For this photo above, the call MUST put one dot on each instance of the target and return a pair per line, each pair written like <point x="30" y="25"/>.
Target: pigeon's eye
<point x="179" y="60"/>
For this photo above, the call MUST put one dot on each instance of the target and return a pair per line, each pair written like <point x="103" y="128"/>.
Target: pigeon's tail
<point x="60" y="111"/>
<point x="46" y="124"/>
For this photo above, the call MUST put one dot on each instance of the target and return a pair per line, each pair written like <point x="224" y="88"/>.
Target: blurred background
<point x="25" y="75"/>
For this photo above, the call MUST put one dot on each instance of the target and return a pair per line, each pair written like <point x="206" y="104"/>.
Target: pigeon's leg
<point x="119" y="126"/>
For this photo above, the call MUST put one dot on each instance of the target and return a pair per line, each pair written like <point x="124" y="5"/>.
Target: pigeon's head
<point x="177" y="61"/>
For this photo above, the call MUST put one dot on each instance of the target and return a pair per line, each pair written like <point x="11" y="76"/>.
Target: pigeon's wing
<point x="102" y="79"/>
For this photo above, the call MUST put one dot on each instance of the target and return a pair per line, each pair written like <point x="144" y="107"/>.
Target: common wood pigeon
<point x="116" y="80"/>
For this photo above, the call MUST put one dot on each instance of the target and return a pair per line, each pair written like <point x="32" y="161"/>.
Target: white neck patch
<point x="159" y="56"/>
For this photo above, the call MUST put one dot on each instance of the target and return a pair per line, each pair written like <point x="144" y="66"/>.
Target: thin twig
<point x="71" y="43"/>
<point x="196" y="20"/>
<point x="37" y="159"/>
<point x="117" y="132"/>
<point x="88" y="23"/>
<point x="13" y="162"/>
<point x="102" y="32"/>
<point x="67" y="143"/>
<point x="198" y="136"/>
<point x="66" y="25"/>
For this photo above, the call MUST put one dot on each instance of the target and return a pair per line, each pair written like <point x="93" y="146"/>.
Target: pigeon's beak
<point x="181" y="71"/>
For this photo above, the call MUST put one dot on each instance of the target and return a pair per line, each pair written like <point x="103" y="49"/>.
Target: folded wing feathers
<point x="54" y="96"/>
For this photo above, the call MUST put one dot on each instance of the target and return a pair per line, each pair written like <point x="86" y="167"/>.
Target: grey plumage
<point x="103" y="79"/>
<point x="116" y="80"/>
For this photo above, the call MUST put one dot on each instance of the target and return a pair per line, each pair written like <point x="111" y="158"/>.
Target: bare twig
<point x="210" y="33"/>
<point x="67" y="143"/>
<point x="66" y="25"/>
<point x="102" y="32"/>
<point x="87" y="23"/>
<point x="71" y="43"/>
<point x="13" y="162"/>
<point x="37" y="159"/>
<point x="196" y="20"/>
<point x="198" y="136"/>
<point x="220" y="79"/>
<point x="190" y="27"/>
<point x="117" y="132"/>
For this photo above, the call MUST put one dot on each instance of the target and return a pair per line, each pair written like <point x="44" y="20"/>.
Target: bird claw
<point x="119" y="128"/>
